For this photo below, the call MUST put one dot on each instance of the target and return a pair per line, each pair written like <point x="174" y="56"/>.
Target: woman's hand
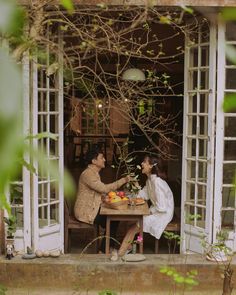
<point x="127" y="178"/>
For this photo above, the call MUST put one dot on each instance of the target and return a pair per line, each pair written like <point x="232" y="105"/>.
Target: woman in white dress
<point x="162" y="204"/>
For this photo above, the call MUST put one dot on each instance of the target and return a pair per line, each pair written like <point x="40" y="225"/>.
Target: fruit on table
<point x="114" y="197"/>
<point x="121" y="194"/>
<point x="139" y="201"/>
<point x="111" y="194"/>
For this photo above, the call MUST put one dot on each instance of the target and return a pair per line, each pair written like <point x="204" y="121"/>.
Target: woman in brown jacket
<point x="90" y="191"/>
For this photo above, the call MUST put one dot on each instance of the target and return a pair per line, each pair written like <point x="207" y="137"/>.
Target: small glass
<point x="132" y="202"/>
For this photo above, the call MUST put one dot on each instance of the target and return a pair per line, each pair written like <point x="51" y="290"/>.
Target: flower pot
<point x="134" y="248"/>
<point x="9" y="241"/>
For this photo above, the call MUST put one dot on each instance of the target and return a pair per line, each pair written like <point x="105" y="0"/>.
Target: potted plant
<point x="10" y="221"/>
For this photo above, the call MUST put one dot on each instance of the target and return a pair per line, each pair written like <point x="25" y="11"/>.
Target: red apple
<point x="121" y="194"/>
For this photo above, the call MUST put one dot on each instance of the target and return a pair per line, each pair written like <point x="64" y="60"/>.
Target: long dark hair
<point x="158" y="166"/>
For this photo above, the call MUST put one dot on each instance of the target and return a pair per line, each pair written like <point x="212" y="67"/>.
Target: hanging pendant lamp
<point x="133" y="74"/>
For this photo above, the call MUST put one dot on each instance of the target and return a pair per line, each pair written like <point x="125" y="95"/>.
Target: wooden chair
<point x="70" y="223"/>
<point x="173" y="226"/>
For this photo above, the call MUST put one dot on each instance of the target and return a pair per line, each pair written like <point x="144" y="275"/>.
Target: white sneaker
<point x="114" y="255"/>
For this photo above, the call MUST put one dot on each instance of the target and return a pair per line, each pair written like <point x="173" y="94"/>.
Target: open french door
<point x="225" y="193"/>
<point x="47" y="116"/>
<point x="198" y="137"/>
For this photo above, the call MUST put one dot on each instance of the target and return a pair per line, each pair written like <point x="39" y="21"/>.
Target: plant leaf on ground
<point x="68" y="5"/>
<point x="107" y="292"/>
<point x="3" y="290"/>
<point x="189" y="279"/>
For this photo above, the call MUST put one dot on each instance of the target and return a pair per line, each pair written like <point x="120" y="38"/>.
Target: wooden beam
<point x="194" y="3"/>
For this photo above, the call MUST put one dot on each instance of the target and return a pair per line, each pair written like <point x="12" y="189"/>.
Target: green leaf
<point x="107" y="292"/>
<point x="187" y="9"/>
<point x="7" y="10"/>
<point x="194" y="272"/>
<point x="164" y="270"/>
<point x="229" y="103"/>
<point x="43" y="135"/>
<point x="28" y="166"/>
<point x="52" y="69"/>
<point x="10" y="93"/>
<point x="17" y="24"/>
<point x="179" y="279"/>
<point x="4" y="203"/>
<point x="3" y="289"/>
<point x="191" y="281"/>
<point x="165" y="20"/>
<point x="102" y="5"/>
<point x="231" y="53"/>
<point x="129" y="160"/>
<point x="229" y="14"/>
<point x="68" y="5"/>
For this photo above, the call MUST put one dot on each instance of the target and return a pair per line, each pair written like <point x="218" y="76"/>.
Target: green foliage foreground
<point x="14" y="144"/>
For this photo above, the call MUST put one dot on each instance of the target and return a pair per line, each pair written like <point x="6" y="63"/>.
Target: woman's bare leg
<point x="128" y="239"/>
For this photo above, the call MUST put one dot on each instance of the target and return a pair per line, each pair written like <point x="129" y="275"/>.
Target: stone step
<point x="76" y="274"/>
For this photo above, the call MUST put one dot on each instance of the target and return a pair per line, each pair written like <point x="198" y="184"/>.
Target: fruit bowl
<point x="116" y="200"/>
<point x="120" y="205"/>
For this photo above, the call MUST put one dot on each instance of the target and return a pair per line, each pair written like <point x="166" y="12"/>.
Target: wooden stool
<point x="173" y="226"/>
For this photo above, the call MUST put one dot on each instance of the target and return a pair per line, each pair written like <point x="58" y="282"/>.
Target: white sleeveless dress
<point x="162" y="209"/>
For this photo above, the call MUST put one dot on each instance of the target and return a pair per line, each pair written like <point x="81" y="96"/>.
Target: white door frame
<point x="26" y="172"/>
<point x="48" y="236"/>
<point x="191" y="234"/>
